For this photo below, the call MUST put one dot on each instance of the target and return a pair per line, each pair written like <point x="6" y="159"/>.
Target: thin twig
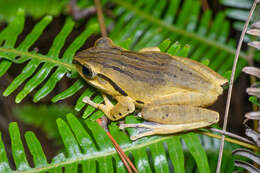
<point x="231" y="85"/>
<point x="123" y="155"/>
<point x="100" y="18"/>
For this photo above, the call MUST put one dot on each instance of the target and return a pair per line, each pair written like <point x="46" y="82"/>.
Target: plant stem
<point x="100" y="18"/>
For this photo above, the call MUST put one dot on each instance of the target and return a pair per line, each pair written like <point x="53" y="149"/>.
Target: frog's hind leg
<point x="173" y="119"/>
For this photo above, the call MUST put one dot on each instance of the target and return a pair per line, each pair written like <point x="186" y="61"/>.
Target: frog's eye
<point x="88" y="72"/>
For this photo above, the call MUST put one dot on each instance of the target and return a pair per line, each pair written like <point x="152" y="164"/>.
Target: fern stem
<point x="172" y="28"/>
<point x="38" y="57"/>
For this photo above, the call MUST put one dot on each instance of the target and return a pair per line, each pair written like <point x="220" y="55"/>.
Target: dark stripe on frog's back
<point x="154" y="68"/>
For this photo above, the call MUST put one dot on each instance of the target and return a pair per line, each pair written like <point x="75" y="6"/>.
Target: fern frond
<point x="49" y="62"/>
<point x="147" y="25"/>
<point x="87" y="146"/>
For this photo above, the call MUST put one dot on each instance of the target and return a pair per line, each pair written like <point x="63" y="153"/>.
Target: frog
<point x="170" y="92"/>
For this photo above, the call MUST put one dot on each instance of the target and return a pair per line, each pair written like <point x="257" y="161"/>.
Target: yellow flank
<point x="170" y="90"/>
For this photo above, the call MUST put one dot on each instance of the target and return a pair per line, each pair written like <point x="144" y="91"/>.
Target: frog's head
<point x="91" y="65"/>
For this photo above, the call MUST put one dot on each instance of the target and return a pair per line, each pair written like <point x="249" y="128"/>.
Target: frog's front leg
<point x="172" y="119"/>
<point x="124" y="106"/>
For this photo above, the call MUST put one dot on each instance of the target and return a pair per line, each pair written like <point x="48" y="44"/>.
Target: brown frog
<point x="170" y="91"/>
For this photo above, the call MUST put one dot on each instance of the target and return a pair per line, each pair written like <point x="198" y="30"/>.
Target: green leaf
<point x="70" y="91"/>
<point x="35" y="148"/>
<point x="4" y="166"/>
<point x="9" y="35"/>
<point x="176" y="154"/>
<point x="19" y="156"/>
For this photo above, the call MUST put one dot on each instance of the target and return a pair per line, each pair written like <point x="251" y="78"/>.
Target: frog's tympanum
<point x="171" y="91"/>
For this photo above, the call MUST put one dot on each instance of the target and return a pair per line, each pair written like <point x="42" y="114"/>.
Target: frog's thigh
<point x="173" y="119"/>
<point x="187" y="98"/>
